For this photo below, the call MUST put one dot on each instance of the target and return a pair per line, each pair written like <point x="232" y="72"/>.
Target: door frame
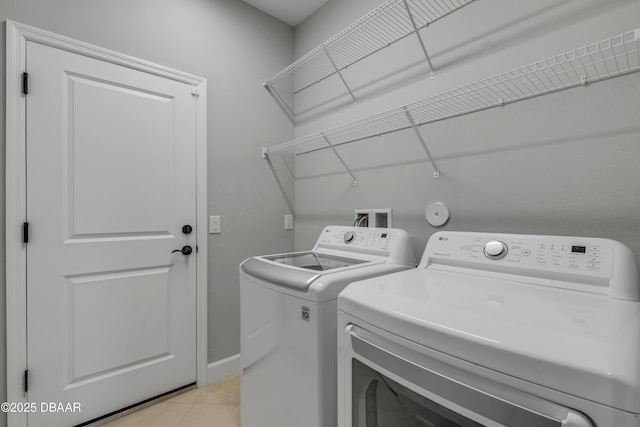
<point x="16" y="202"/>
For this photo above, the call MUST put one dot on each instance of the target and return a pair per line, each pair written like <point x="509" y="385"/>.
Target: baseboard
<point x="223" y="368"/>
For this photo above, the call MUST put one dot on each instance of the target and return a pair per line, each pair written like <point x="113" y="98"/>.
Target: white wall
<point x="562" y="164"/>
<point x="234" y="46"/>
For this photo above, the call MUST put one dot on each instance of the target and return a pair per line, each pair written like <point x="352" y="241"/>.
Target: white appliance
<point x="495" y="330"/>
<point x="288" y="322"/>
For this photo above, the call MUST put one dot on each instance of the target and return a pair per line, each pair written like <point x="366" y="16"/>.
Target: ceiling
<point x="292" y="12"/>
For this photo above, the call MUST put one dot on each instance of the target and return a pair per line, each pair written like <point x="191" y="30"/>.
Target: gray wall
<point x="564" y="164"/>
<point x="561" y="164"/>
<point x="234" y="46"/>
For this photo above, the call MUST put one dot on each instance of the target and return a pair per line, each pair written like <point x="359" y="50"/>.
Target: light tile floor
<point x="217" y="405"/>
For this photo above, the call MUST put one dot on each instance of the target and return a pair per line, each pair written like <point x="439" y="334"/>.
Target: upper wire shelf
<point x="385" y="25"/>
<point x="612" y="57"/>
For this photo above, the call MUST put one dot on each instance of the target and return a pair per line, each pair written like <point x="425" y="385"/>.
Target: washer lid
<point x="316" y="261"/>
<point x="299" y="270"/>
<point x="584" y="344"/>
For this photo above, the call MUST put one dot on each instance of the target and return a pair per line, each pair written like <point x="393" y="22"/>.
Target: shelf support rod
<point x="355" y="180"/>
<point x="417" y="33"/>
<point x="436" y="171"/>
<point x="265" y="155"/>
<point x="339" y="74"/>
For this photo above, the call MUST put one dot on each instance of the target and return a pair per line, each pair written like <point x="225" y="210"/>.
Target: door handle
<point x="186" y="250"/>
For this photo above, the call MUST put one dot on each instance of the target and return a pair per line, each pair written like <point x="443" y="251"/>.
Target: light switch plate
<point x="214" y="224"/>
<point x="288" y="222"/>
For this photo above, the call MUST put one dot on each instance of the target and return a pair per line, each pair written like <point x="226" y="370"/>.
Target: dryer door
<point x="379" y="401"/>
<point x="393" y="385"/>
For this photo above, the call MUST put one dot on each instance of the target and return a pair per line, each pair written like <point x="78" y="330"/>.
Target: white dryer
<point x="288" y="322"/>
<point x="495" y="330"/>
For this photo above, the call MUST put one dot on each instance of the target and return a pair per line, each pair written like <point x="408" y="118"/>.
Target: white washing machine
<point x="288" y="322"/>
<point x="495" y="330"/>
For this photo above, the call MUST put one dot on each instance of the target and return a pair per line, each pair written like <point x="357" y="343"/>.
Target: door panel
<point x="95" y="298"/>
<point x="108" y="144"/>
<point x="111" y="181"/>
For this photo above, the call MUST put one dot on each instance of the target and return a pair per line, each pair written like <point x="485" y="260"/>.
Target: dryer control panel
<point x="587" y="264"/>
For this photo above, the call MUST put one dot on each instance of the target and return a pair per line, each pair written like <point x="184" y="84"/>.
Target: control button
<point x="495" y="249"/>
<point x="349" y="236"/>
<point x="526" y="252"/>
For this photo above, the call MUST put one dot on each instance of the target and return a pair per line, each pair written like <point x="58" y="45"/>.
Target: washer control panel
<point x="362" y="238"/>
<point x="383" y="244"/>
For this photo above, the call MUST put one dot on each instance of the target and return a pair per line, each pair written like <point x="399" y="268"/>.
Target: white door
<point x="111" y="181"/>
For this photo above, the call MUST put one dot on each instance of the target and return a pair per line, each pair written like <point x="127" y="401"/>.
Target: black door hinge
<point x="25" y="381"/>
<point x="25" y="232"/>
<point x="25" y="83"/>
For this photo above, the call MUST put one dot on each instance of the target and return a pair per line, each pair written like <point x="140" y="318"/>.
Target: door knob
<point x="186" y="250"/>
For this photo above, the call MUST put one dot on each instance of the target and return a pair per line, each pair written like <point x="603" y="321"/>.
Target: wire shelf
<point x="380" y="28"/>
<point x="612" y="57"/>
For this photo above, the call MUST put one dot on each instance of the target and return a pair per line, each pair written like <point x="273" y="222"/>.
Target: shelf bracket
<point x="281" y="102"/>
<point x="436" y="171"/>
<point x="326" y="51"/>
<point x="355" y="180"/>
<point x="417" y="33"/>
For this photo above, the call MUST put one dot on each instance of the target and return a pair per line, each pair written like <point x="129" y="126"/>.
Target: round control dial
<point x="495" y="249"/>
<point x="349" y="236"/>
